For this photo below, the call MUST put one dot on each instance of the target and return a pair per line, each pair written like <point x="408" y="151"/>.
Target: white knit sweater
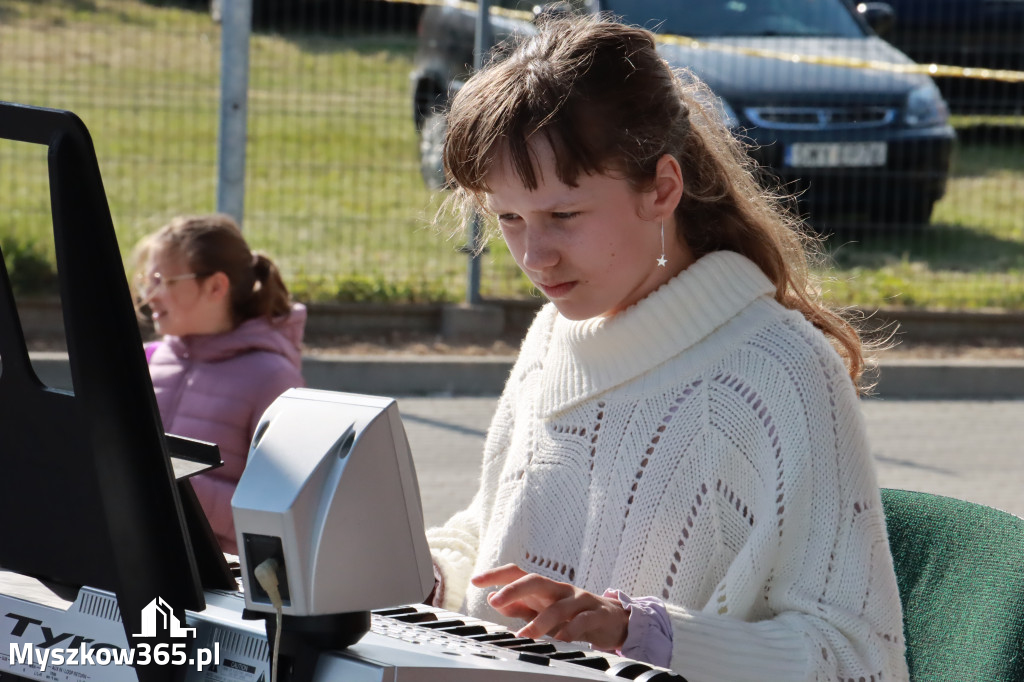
<point x="705" y="447"/>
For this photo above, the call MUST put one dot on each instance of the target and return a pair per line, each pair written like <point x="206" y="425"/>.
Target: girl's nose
<point x="149" y="294"/>
<point x="145" y="288"/>
<point x="541" y="249"/>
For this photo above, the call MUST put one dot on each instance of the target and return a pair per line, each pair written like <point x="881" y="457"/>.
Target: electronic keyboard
<point x="414" y="643"/>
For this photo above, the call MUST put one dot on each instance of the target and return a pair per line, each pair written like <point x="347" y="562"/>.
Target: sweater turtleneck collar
<point x="587" y="357"/>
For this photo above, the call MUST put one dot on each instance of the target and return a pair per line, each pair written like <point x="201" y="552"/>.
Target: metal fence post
<point x="236" y="27"/>
<point x="481" y="45"/>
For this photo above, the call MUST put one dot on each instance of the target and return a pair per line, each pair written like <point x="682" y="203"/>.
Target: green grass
<point x="970" y="257"/>
<point x="333" y="188"/>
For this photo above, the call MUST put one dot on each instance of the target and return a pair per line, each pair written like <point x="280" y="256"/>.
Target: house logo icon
<point x="158" y="616"/>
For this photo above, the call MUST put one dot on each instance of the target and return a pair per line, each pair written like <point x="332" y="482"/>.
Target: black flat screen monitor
<point x="87" y="491"/>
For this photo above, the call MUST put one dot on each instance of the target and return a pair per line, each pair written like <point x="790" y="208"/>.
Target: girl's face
<point x="592" y="249"/>
<point x="181" y="302"/>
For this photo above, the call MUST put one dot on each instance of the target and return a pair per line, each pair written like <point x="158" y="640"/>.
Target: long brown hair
<point x="214" y="243"/>
<point x="605" y="100"/>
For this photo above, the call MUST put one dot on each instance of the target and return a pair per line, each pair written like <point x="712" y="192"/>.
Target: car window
<point x="723" y="18"/>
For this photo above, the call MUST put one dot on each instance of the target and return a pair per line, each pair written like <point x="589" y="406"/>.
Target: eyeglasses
<point x="148" y="284"/>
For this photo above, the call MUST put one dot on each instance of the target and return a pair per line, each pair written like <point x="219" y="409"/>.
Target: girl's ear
<point x="217" y="286"/>
<point x="668" y="187"/>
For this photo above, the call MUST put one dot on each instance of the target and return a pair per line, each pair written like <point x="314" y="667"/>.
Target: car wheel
<point x="431" y="141"/>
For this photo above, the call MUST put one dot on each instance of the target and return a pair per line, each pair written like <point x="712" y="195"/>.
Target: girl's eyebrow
<point x="555" y="205"/>
<point x="571" y="196"/>
<point x="560" y="206"/>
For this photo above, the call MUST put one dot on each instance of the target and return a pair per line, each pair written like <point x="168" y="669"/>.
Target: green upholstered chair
<point x="960" y="568"/>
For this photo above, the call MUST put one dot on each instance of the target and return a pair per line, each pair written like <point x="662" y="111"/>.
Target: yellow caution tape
<point x="850" y="62"/>
<point x="1004" y="75"/>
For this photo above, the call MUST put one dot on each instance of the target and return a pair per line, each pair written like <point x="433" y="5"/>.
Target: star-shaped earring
<point x="661" y="260"/>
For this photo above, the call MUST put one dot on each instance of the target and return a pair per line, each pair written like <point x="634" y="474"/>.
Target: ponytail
<point x="268" y="297"/>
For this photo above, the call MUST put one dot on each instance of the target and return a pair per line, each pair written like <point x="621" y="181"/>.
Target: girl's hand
<point x="560" y="610"/>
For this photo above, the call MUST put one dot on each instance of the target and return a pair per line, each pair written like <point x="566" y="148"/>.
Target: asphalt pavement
<point x="973" y="450"/>
<point x="968" y="444"/>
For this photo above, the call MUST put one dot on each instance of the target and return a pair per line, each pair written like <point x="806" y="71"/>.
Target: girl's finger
<point x="553" y="618"/>
<point x="502" y="575"/>
<point x="517" y="610"/>
<point x="534" y="588"/>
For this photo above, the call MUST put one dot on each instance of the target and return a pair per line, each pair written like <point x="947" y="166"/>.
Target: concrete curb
<point x="398" y="375"/>
<point x="409" y="375"/>
<point x="41" y="318"/>
<point x="951" y="379"/>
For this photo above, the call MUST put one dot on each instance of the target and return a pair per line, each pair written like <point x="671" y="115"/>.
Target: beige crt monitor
<point x="330" y="491"/>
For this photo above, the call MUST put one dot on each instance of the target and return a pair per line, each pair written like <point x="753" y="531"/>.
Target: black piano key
<point x="438" y="624"/>
<point x="535" y="648"/>
<point x="564" y="655"/>
<point x="538" y="659"/>
<point x="595" y="662"/>
<point x="463" y="630"/>
<point x="492" y="636"/>
<point x="419" y="617"/>
<point x="629" y="670"/>
<point x="515" y="641"/>
<point x="398" y="611"/>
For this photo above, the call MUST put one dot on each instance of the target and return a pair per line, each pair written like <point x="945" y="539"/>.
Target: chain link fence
<point x="333" y="188"/>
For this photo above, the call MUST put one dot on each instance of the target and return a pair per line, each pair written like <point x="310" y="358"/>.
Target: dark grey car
<point x="986" y="34"/>
<point x="859" y="146"/>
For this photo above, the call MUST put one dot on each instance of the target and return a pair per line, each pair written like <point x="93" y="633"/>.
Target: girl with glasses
<point x="231" y="344"/>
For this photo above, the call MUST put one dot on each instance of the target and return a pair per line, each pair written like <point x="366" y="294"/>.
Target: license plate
<point x="836" y="154"/>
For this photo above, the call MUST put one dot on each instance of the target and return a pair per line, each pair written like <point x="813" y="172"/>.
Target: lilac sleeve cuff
<point x="649" y="634"/>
